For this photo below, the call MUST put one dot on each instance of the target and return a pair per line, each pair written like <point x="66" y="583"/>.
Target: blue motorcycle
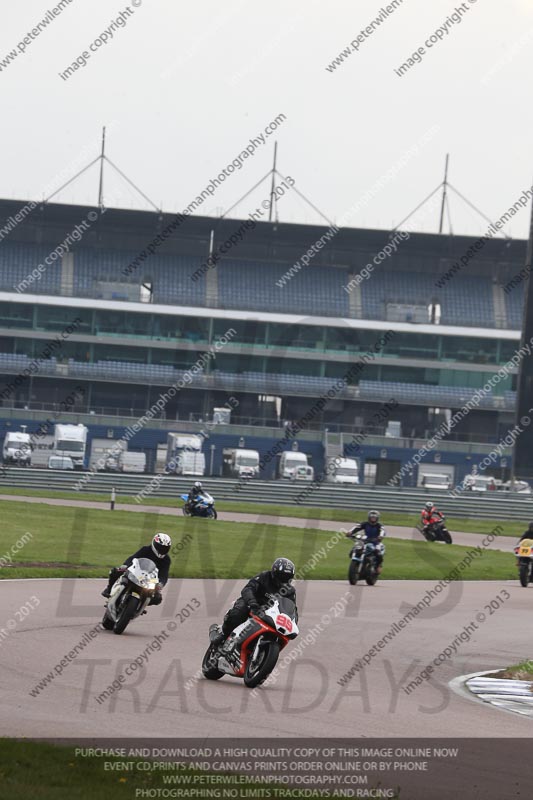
<point x="202" y="506"/>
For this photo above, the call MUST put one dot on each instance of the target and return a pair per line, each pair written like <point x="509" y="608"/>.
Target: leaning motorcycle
<point x="251" y="651"/>
<point x="364" y="557"/>
<point x="203" y="506"/>
<point x="524" y="553"/>
<point x="436" y="532"/>
<point x="130" y="594"/>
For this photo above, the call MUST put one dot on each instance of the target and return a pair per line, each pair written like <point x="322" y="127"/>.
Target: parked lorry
<point x="71" y="440"/>
<point x="17" y="448"/>
<point x="289" y="461"/>
<point x="184" y="454"/>
<point x="342" y="470"/>
<point x="241" y="463"/>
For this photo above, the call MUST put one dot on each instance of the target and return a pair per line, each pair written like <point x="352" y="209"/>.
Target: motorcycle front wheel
<point x="353" y="572"/>
<point x="524" y="575"/>
<point x="257" y="673"/>
<point x="126" y="615"/>
<point x="107" y="623"/>
<point x="446" y="537"/>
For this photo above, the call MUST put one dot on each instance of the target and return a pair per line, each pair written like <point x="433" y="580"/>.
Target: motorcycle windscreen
<point x="287" y="606"/>
<point x="147" y="566"/>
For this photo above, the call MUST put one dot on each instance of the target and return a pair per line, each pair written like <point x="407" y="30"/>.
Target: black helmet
<point x="161" y="544"/>
<point x="374" y="515"/>
<point x="530" y="525"/>
<point x="282" y="570"/>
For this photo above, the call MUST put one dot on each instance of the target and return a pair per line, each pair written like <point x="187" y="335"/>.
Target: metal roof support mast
<point x="444" y="192"/>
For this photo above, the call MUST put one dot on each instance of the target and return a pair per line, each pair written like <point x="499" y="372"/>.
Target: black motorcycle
<point x="364" y="560"/>
<point x="436" y="532"/>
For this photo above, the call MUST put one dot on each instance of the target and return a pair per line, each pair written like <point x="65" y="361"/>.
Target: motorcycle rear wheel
<point x="353" y="573"/>
<point x="209" y="671"/>
<point x="256" y="676"/>
<point x="524" y="575"/>
<point x="126" y="615"/>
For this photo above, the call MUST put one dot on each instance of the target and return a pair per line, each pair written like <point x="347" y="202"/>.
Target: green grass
<point x="465" y="524"/>
<point x="92" y="540"/>
<point x="44" y="771"/>
<point x="520" y="672"/>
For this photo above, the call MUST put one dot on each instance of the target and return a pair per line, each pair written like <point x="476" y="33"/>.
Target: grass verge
<point x="466" y="525"/>
<point x="45" y="771"/>
<point x="80" y="542"/>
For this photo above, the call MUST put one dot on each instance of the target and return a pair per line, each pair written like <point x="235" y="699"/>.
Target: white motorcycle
<point x="130" y="594"/>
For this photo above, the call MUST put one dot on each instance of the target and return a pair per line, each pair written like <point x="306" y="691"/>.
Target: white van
<point x="60" y="462"/>
<point x="290" y="460"/>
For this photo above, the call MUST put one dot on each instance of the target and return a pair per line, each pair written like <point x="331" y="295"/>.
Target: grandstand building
<point x="125" y="303"/>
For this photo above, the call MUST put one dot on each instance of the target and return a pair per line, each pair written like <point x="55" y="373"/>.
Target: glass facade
<point x="308" y="350"/>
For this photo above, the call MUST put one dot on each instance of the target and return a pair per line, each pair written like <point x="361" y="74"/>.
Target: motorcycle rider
<point x="274" y="581"/>
<point x="527" y="534"/>
<point x="374" y="532"/>
<point x="194" y="494"/>
<point x="430" y="515"/>
<point x="161" y="544"/>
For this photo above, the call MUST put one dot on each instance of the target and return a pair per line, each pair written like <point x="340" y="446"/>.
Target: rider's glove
<point x="254" y="607"/>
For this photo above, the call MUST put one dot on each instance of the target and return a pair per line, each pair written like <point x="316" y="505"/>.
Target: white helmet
<point x="161" y="544"/>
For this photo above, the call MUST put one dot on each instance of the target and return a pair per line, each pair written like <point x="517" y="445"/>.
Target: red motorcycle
<point x="251" y="651"/>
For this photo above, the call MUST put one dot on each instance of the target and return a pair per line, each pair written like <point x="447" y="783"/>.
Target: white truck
<point x="129" y="461"/>
<point x="71" y="440"/>
<point x="241" y="463"/>
<point x="184" y="454"/>
<point x="291" y="460"/>
<point x="17" y="448"/>
<point x="342" y="470"/>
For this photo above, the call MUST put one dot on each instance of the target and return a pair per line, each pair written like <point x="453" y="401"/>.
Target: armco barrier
<point x="470" y="504"/>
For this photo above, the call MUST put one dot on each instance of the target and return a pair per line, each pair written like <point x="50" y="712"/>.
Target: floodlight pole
<point x="444" y="190"/>
<point x="101" y="185"/>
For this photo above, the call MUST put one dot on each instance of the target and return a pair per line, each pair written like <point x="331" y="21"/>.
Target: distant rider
<point x="431" y="515"/>
<point x="527" y="534"/>
<point x="274" y="581"/>
<point x="374" y="532"/>
<point x="194" y="494"/>
<point x="161" y="544"/>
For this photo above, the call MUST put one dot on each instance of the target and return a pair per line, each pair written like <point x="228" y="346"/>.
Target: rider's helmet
<point x="429" y="506"/>
<point x="282" y="571"/>
<point x="161" y="544"/>
<point x="373" y="517"/>
<point x="197" y="486"/>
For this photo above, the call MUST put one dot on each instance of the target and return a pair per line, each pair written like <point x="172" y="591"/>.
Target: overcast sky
<point x="183" y="87"/>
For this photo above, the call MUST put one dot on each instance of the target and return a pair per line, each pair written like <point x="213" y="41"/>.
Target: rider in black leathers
<point x="374" y="532"/>
<point x="527" y="534"/>
<point x="275" y="581"/>
<point x="160" y="546"/>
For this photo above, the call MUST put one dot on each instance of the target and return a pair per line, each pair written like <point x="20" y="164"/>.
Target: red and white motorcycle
<point x="251" y="651"/>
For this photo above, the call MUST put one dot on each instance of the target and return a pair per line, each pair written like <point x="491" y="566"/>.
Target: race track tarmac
<point x="305" y="700"/>
<point x="502" y="543"/>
